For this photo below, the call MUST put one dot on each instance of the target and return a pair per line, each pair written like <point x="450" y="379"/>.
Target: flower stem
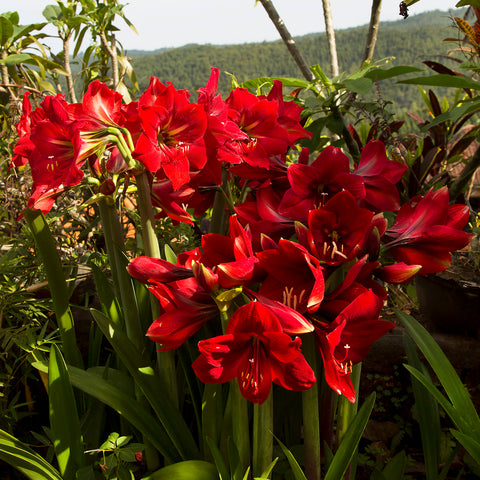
<point x="57" y="284"/>
<point x="166" y="360"/>
<point x="262" y="436"/>
<point x="346" y="412"/>
<point x="240" y="426"/>
<point x="217" y="224"/>
<point x="311" y="416"/>
<point x="118" y="262"/>
<point x="240" y="423"/>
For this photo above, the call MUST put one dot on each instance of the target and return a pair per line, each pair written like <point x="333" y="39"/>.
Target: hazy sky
<point x="172" y="23"/>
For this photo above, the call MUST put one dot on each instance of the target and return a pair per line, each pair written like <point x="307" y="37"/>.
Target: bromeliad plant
<point x="284" y="291"/>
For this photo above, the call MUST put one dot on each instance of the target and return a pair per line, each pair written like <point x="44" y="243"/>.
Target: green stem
<point x="166" y="360"/>
<point x="217" y="224"/>
<point x="311" y="415"/>
<point x="346" y="410"/>
<point x="240" y="425"/>
<point x="147" y="217"/>
<point x="262" y="436"/>
<point x="57" y="284"/>
<point x="346" y="413"/>
<point x="122" y="280"/>
<point x="327" y="413"/>
<point x="212" y="416"/>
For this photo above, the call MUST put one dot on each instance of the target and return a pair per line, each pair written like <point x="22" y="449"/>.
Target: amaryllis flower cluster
<point x="307" y="253"/>
<point x="308" y="248"/>
<point x="181" y="144"/>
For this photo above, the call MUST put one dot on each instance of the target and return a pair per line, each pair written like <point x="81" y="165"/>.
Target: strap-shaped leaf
<point x="124" y="404"/>
<point x="428" y="416"/>
<point x="64" y="422"/>
<point x="471" y="445"/>
<point x="187" y="470"/>
<point x="347" y="447"/>
<point x="24" y="459"/>
<point x="152" y="387"/>
<point x="464" y="413"/>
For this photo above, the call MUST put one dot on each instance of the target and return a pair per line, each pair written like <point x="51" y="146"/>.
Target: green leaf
<point x="378" y="74"/>
<point x="471" y="445"/>
<point x="395" y="468"/>
<point x="6" y="30"/>
<point x="52" y="13"/>
<point x="222" y="467"/>
<point x="296" y="470"/>
<point x="464" y="413"/>
<point x="15" y="59"/>
<point x="24" y="459"/>
<point x="428" y="416"/>
<point x="347" y="447"/>
<point x="170" y="254"/>
<point x="107" y="296"/>
<point x="187" y="470"/>
<point x="359" y="85"/>
<point x="444" y="80"/>
<point x="466" y="3"/>
<point x="64" y="423"/>
<point x="152" y="387"/>
<point x="125" y="405"/>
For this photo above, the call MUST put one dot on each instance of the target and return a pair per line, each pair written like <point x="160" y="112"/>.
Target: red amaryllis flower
<point x="426" y="231"/>
<point x="356" y="280"/>
<point x="258" y="119"/>
<point x="380" y="176"/>
<point x="58" y="155"/>
<point x="257" y="352"/>
<point x="101" y="107"/>
<point x="288" y="114"/>
<point x="294" y="276"/>
<point x="231" y="258"/>
<point x="312" y="185"/>
<point x="397" y="272"/>
<point x="149" y="270"/>
<point x="337" y="231"/>
<point x="347" y="340"/>
<point x="183" y="312"/>
<point x="24" y="147"/>
<point x="173" y="203"/>
<point x="262" y="215"/>
<point x="172" y="132"/>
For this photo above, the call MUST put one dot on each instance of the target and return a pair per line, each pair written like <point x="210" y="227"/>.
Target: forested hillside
<point x="410" y="41"/>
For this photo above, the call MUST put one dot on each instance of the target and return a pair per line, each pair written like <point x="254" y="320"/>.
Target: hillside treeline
<point x="409" y="41"/>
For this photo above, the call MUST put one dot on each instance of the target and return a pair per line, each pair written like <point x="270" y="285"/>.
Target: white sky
<point x="173" y="23"/>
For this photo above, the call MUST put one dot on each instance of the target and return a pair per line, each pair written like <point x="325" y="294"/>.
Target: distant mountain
<point x="409" y="41"/>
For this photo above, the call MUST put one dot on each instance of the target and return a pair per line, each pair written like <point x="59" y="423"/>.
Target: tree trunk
<point x="112" y="52"/>
<point x="66" y="66"/>
<point x="6" y="80"/>
<point x="332" y="47"/>
<point x="287" y="38"/>
<point x="372" y="30"/>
